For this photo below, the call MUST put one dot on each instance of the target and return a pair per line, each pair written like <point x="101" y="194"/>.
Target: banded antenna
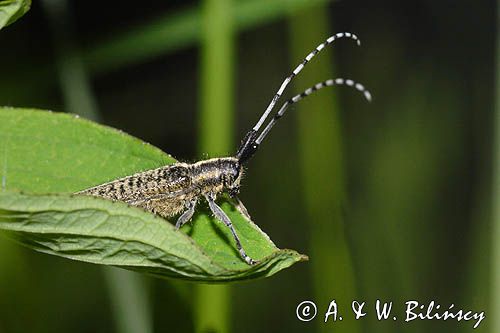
<point x="252" y="139"/>
<point x="299" y="68"/>
<point x="307" y="92"/>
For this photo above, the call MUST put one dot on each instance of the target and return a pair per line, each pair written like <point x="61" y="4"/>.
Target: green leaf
<point x="44" y="152"/>
<point x="11" y="10"/>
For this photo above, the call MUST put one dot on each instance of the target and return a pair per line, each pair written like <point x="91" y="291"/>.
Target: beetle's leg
<point x="186" y="216"/>
<point x="241" y="207"/>
<point x="219" y="214"/>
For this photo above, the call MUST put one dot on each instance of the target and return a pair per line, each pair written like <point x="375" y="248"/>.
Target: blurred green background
<point x="392" y="200"/>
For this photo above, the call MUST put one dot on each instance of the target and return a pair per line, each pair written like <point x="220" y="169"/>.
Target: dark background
<point x="417" y="204"/>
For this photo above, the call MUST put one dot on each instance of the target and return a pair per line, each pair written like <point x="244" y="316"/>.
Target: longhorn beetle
<point x="176" y="189"/>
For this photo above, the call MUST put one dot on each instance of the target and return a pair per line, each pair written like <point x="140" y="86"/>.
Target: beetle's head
<point x="232" y="177"/>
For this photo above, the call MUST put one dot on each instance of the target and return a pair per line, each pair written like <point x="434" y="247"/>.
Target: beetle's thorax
<point x="217" y="175"/>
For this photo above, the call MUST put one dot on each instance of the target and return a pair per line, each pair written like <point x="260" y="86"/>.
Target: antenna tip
<point x="353" y="36"/>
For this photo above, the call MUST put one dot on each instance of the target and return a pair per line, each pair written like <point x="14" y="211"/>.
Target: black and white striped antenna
<point x="252" y="140"/>
<point x="307" y="92"/>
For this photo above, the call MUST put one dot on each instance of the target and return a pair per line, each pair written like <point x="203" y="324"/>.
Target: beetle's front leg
<point x="241" y="207"/>
<point x="221" y="216"/>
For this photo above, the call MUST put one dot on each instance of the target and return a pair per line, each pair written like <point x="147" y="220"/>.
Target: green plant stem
<point x="212" y="307"/>
<point x="320" y="138"/>
<point x="129" y="297"/>
<point x="216" y="116"/>
<point x="126" y="288"/>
